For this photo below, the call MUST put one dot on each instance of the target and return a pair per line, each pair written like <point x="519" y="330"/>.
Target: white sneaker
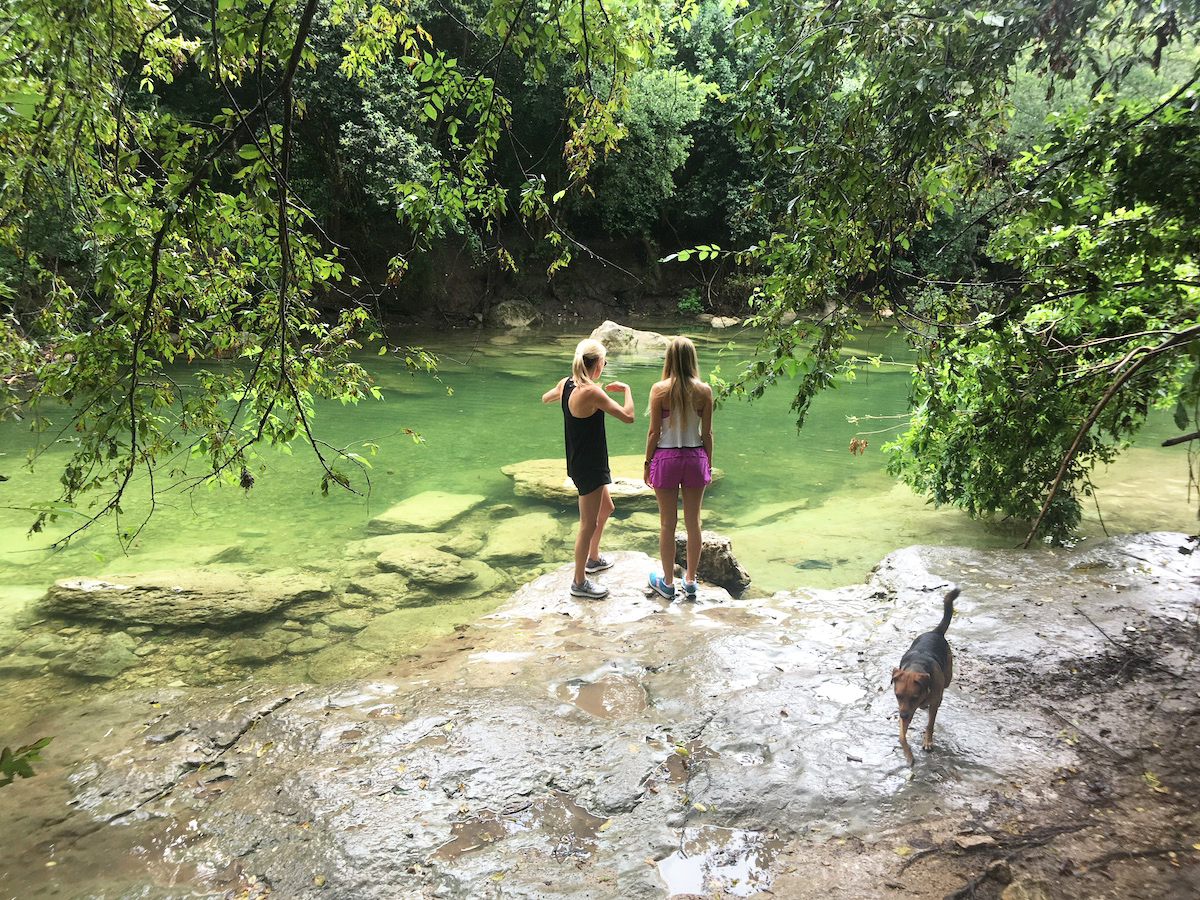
<point x="588" y="588"/>
<point x="599" y="564"/>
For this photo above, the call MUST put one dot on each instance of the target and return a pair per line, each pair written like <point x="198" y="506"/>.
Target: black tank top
<point x="587" y="445"/>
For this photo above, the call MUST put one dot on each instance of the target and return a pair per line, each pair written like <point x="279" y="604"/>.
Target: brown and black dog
<point x="922" y="676"/>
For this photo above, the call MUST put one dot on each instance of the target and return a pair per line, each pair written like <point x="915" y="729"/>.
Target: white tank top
<point x="676" y="434"/>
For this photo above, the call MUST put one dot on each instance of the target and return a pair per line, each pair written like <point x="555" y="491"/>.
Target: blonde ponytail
<point x="587" y="353"/>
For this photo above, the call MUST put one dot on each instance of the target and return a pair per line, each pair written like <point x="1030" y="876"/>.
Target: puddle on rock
<point x="571" y="829"/>
<point x="674" y="769"/>
<point x="720" y="861"/>
<point x="608" y="697"/>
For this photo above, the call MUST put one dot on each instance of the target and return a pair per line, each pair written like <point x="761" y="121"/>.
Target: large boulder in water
<point x="623" y="339"/>
<point x="513" y="314"/>
<point x="182" y="597"/>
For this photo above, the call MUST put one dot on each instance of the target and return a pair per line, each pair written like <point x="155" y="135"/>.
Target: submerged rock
<point x="100" y="656"/>
<point x="17" y="665"/>
<point x="428" y="511"/>
<point x="179" y="598"/>
<point x="521" y="539"/>
<point x="387" y="587"/>
<point x="426" y="566"/>
<point x="253" y="651"/>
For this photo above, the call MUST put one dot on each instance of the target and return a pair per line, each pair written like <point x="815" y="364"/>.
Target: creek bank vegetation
<point x="205" y="213"/>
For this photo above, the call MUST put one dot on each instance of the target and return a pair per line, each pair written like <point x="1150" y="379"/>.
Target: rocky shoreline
<point x="633" y="748"/>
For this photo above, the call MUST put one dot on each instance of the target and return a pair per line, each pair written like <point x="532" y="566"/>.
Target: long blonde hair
<point x="587" y="352"/>
<point x="682" y="369"/>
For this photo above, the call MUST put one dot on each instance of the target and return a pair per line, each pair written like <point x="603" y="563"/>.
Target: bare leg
<point x="606" y="508"/>
<point x="589" y="510"/>
<point x="692" y="498"/>
<point x="668" y="518"/>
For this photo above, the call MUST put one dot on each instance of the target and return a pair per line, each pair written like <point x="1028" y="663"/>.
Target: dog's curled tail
<point x="947" y="611"/>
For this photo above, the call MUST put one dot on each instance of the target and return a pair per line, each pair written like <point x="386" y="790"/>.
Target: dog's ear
<point x="896" y="674"/>
<point x="923" y="679"/>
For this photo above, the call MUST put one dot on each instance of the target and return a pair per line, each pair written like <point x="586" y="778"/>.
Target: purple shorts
<point x="674" y="467"/>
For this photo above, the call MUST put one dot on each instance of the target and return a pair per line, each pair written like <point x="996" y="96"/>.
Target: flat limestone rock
<point x="371" y="547"/>
<point x="180" y="597"/>
<point x="521" y="539"/>
<point x="546" y="479"/>
<point x="427" y="511"/>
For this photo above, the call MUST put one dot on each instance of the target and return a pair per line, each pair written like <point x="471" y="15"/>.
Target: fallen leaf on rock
<point x="971" y="841"/>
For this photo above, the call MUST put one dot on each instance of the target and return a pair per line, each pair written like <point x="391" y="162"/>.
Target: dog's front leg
<point x="935" y="700"/>
<point x="908" y="757"/>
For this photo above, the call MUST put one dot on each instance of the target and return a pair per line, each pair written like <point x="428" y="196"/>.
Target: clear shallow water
<point x="799" y="509"/>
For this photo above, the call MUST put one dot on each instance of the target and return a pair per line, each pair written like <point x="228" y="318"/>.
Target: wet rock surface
<point x="636" y="748"/>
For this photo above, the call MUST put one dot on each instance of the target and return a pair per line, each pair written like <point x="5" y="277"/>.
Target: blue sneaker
<point x="661" y="587"/>
<point x="689" y="591"/>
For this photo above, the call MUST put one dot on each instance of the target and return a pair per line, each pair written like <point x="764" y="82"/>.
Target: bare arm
<point x="706" y="411"/>
<point x="555" y="393"/>
<point x="609" y="405"/>
<point x="655" y="430"/>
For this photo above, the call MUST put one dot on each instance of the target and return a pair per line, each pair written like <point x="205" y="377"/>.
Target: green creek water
<point x="799" y="509"/>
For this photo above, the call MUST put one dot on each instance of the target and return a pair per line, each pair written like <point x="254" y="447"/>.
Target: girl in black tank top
<point x="584" y="404"/>
<point x="587" y="446"/>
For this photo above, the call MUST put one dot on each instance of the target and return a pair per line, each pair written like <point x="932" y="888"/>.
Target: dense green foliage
<point x="173" y="194"/>
<point x="200" y="208"/>
<point x="1062" y="297"/>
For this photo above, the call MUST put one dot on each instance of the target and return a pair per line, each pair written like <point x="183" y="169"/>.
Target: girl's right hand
<point x="616" y="387"/>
